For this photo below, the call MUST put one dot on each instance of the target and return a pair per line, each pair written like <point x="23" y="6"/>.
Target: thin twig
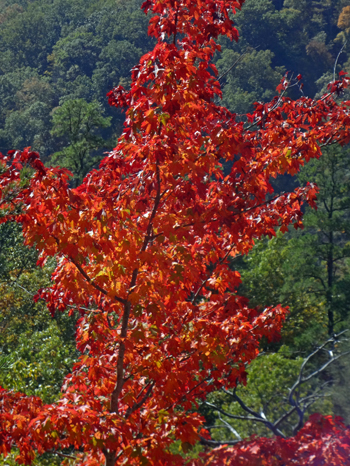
<point x="336" y="60"/>
<point x="215" y="443"/>
<point x="139" y="404"/>
<point x="234" y="64"/>
<point x="63" y="455"/>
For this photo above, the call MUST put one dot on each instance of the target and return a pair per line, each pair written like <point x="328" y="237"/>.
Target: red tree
<point x="143" y="247"/>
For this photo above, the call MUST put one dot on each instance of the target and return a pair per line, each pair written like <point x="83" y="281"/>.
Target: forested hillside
<point x="56" y="51"/>
<point x="58" y="61"/>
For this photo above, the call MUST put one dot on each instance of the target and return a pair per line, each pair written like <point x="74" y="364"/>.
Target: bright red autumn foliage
<point x="323" y="441"/>
<point x="143" y="248"/>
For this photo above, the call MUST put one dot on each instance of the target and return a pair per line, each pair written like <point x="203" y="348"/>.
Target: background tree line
<point x="58" y="60"/>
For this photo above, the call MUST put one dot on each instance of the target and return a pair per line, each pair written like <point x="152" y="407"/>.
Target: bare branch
<point x="215" y="443"/>
<point x="298" y="405"/>
<point x="258" y="417"/>
<point x="302" y="379"/>
<point x="63" y="455"/>
<point x="336" y="60"/>
<point x="234" y="64"/>
<point x="311" y="399"/>
<point x="235" y="416"/>
<point x="230" y="428"/>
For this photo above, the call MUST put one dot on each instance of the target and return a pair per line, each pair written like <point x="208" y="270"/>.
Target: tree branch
<point x="214" y="443"/>
<point x="234" y="64"/>
<point x="298" y="405"/>
<point x="138" y="405"/>
<point x="91" y="282"/>
<point x="259" y="417"/>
